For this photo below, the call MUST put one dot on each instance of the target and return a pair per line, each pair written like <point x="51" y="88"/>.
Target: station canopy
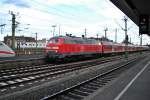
<point x="138" y="11"/>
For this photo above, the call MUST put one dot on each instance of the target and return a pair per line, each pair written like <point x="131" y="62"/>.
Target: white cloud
<point x="69" y="2"/>
<point x="44" y="13"/>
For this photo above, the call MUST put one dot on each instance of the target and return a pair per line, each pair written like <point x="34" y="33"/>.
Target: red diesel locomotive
<point x="66" y="46"/>
<point x="60" y="47"/>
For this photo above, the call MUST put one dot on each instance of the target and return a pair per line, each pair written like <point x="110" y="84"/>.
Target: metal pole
<point x="36" y="44"/>
<point x="141" y="40"/>
<point x="1" y="30"/>
<point x="126" y="38"/>
<point x="59" y="30"/>
<point x="97" y="35"/>
<point x="85" y="32"/>
<point x="53" y="30"/>
<point x="13" y="30"/>
<point x="116" y="36"/>
<point x="106" y="32"/>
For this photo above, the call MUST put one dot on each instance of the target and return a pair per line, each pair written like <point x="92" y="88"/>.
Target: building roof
<point x="28" y="39"/>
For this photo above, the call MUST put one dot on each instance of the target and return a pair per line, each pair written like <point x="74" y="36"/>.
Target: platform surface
<point x="134" y="84"/>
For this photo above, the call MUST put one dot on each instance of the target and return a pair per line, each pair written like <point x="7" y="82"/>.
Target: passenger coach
<point x="6" y="51"/>
<point x="68" y="46"/>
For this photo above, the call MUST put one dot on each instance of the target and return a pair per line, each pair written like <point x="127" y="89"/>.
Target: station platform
<point x="21" y="58"/>
<point x="134" y="84"/>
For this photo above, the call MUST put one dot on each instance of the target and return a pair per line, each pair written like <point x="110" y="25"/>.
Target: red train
<point x="65" y="46"/>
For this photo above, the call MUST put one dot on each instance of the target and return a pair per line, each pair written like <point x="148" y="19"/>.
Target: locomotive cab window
<point x="53" y="40"/>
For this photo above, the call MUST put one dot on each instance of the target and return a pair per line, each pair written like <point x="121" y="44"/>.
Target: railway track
<point x="12" y="78"/>
<point x="39" y="84"/>
<point x="84" y="89"/>
<point x="10" y="64"/>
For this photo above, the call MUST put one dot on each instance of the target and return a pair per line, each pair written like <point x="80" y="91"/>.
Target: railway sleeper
<point x="111" y="76"/>
<point x="80" y="92"/>
<point x="99" y="83"/>
<point x="62" y="97"/>
<point x="86" y="90"/>
<point x="95" y="84"/>
<point x="73" y="95"/>
<point x="91" y="87"/>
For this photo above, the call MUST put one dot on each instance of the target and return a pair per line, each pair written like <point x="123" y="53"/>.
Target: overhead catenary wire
<point x="59" y="11"/>
<point x="36" y="6"/>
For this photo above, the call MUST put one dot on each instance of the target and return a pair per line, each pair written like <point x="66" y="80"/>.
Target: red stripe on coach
<point x="5" y="52"/>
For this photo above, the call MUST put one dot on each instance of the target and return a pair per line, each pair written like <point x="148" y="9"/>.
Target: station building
<point x="25" y="42"/>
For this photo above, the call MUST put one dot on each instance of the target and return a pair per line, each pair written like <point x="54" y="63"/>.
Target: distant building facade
<point x="25" y="42"/>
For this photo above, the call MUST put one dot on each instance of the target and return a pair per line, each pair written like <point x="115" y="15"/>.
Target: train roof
<point x="94" y="39"/>
<point x="77" y="40"/>
<point x="73" y="38"/>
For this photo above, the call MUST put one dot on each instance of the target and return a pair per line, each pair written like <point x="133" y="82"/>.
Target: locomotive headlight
<point x="55" y="47"/>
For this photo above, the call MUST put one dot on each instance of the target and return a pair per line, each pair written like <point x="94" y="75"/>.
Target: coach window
<point x="81" y="42"/>
<point x="78" y="42"/>
<point x="109" y="46"/>
<point x="89" y="42"/>
<point x="71" y="41"/>
<point x="94" y="42"/>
